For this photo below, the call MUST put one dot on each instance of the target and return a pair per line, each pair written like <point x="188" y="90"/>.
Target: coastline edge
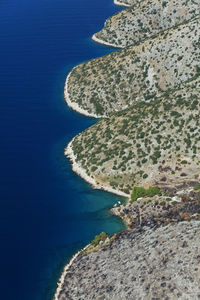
<point x="64" y="272"/>
<point x="116" y="2"/>
<point x="74" y="105"/>
<point x="97" y="40"/>
<point x="81" y="172"/>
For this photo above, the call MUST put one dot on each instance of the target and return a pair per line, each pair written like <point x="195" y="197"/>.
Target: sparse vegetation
<point x="123" y="78"/>
<point x="128" y="148"/>
<point x="135" y="24"/>
<point x="150" y="95"/>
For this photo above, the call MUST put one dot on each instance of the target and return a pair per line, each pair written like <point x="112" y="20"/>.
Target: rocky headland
<point x="145" y="147"/>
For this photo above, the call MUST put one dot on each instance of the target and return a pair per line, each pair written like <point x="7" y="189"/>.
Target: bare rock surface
<point x="144" y="263"/>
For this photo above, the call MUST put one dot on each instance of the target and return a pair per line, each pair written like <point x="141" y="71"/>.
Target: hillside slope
<point x="158" y="263"/>
<point x="136" y="73"/>
<point x="133" y="25"/>
<point x="146" y="144"/>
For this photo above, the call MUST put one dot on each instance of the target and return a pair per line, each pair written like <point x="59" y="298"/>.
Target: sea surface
<point x="47" y="212"/>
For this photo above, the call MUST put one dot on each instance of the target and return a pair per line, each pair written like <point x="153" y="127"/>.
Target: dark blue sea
<point x="47" y="212"/>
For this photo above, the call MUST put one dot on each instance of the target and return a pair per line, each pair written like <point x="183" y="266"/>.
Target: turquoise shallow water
<point x="47" y="212"/>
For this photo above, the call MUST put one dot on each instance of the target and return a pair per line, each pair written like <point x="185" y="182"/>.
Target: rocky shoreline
<point x="74" y="105"/>
<point x="147" y="262"/>
<point x="95" y="39"/>
<point x="64" y="273"/>
<point x="167" y="224"/>
<point x="121" y="3"/>
<point x="82" y="173"/>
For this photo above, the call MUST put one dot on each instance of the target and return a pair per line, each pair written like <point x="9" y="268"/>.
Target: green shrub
<point x="197" y="187"/>
<point x="168" y="199"/>
<point x="142" y="192"/>
<point x="94" y="168"/>
<point x="101" y="237"/>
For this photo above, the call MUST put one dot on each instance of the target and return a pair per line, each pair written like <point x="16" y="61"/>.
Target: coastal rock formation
<point x="135" y="24"/>
<point x="120" y="79"/>
<point x="145" y="263"/>
<point x="148" y="144"/>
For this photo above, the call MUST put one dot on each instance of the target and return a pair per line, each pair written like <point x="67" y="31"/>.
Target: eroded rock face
<point x="145" y="263"/>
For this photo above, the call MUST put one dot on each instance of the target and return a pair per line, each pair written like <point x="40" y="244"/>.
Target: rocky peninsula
<point x="145" y="147"/>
